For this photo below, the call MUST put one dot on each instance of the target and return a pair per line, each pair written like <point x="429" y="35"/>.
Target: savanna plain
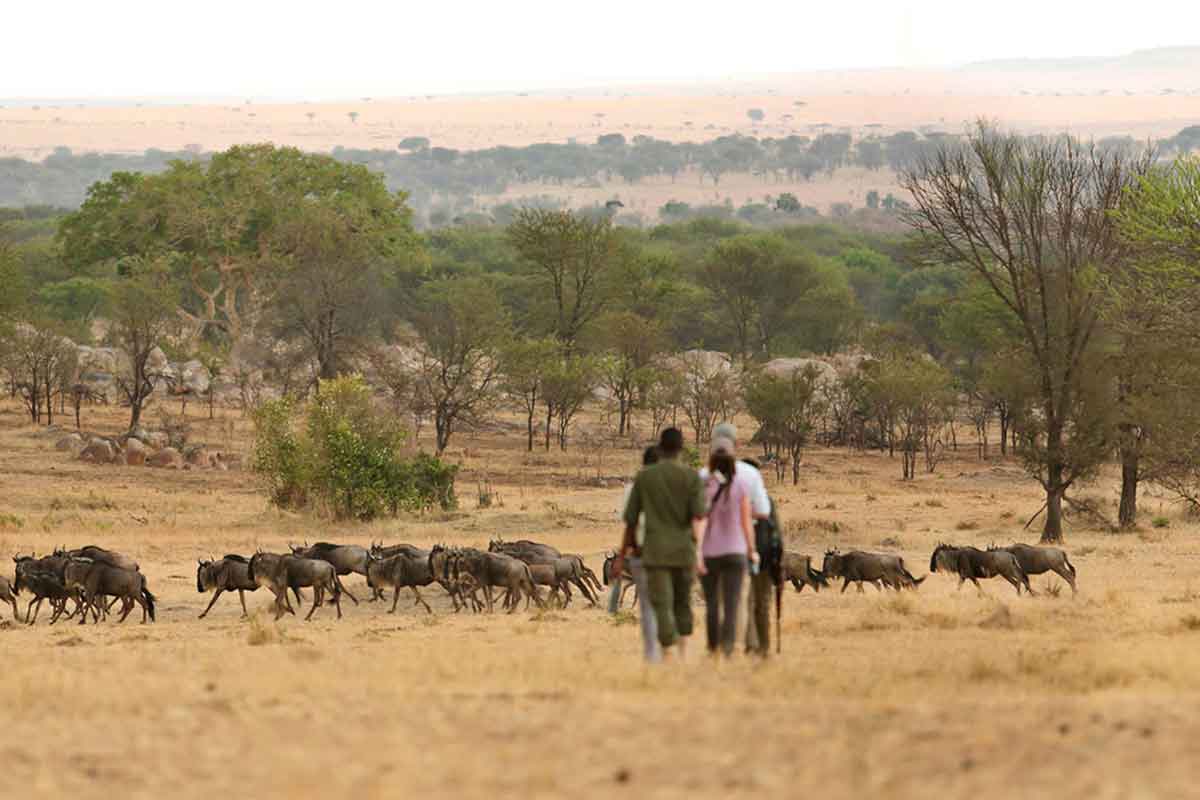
<point x="936" y="692"/>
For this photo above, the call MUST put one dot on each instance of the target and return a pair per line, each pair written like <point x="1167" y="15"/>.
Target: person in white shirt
<point x="758" y="606"/>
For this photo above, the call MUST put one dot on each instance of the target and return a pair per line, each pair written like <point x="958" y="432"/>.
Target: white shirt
<point x="760" y="504"/>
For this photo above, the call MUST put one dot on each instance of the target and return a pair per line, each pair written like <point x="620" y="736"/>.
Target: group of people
<point x="680" y="523"/>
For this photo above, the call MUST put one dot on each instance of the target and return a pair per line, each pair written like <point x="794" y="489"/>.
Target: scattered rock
<point x="167" y="458"/>
<point x="156" y="439"/>
<point x="199" y="458"/>
<point x="135" y="452"/>
<point x="99" y="451"/>
<point x="72" y="443"/>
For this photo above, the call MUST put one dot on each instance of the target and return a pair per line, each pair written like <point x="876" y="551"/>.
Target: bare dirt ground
<point x="933" y="693"/>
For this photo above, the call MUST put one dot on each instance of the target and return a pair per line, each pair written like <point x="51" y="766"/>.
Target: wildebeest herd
<point x="89" y="581"/>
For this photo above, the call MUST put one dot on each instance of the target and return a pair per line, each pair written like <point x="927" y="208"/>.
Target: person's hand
<point x="755" y="561"/>
<point x="619" y="566"/>
<point x="700" y="568"/>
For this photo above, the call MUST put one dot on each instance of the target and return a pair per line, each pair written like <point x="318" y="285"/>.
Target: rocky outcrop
<point x="167" y="458"/>
<point x="71" y="443"/>
<point x="99" y="451"/>
<point x="135" y="452"/>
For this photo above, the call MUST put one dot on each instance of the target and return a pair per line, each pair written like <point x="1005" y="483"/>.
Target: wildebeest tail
<point x="149" y="599"/>
<point x="1070" y="566"/>
<point x="337" y="585"/>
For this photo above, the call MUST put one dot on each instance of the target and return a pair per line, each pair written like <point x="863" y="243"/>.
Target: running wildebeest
<point x="126" y="585"/>
<point x="284" y="572"/>
<point x="101" y="556"/>
<point x="971" y="564"/>
<point x="399" y="571"/>
<point x="563" y="568"/>
<point x="43" y="577"/>
<point x="345" y="558"/>
<point x="1035" y="560"/>
<point x="798" y="569"/>
<point x="229" y="574"/>
<point x="8" y="594"/>
<point x="491" y="570"/>
<point x="873" y="568"/>
<point x="268" y="563"/>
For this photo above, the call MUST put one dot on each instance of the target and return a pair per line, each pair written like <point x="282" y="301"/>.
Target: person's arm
<point x="748" y="527"/>
<point x="699" y="514"/>
<point x="633" y="510"/>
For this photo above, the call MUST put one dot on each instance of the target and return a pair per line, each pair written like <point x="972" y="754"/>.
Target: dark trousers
<point x="671" y="597"/>
<point x="722" y="594"/>
<point x="758" y="628"/>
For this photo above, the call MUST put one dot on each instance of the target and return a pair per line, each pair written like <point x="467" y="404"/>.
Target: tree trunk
<point x="549" y="422"/>
<point x="1127" y="514"/>
<point x="529" y="428"/>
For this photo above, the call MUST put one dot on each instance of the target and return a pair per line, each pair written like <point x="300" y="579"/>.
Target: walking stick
<point x="778" y="608"/>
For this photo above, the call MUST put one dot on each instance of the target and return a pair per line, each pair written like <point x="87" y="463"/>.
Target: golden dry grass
<point x="937" y="693"/>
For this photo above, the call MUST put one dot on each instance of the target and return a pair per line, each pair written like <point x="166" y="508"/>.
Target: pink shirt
<point x="724" y="535"/>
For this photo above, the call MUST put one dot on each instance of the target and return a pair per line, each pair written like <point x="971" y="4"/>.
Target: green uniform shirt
<point x="671" y="495"/>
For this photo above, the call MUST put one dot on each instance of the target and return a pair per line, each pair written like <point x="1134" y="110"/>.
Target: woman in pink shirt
<point x="728" y="545"/>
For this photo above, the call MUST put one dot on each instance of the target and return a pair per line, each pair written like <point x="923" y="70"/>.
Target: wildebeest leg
<point x="242" y="597"/>
<point x="299" y="599"/>
<point x="420" y="599"/>
<point x="1066" y="576"/>
<point x="279" y="604"/>
<point x="29" y="609"/>
<point x="337" y="601"/>
<point x="977" y="586"/>
<point x="352" y="597"/>
<point x="487" y="596"/>
<point x="211" y="603"/>
<point x="126" y="606"/>
<point x="846" y="585"/>
<point x="318" y="596"/>
<point x="16" y="614"/>
<point x="395" y="598"/>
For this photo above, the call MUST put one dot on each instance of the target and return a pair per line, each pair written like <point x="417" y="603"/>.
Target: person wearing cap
<point x="671" y="496"/>
<point x="649" y="624"/>
<point x="728" y="544"/>
<point x="758" y="628"/>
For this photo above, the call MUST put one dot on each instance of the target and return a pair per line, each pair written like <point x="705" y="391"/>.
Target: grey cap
<point x="722" y="444"/>
<point x="725" y="430"/>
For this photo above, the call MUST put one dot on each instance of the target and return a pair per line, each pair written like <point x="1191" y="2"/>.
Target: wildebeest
<point x="228" y="574"/>
<point x="798" y="569"/>
<point x="283" y="572"/>
<point x="43" y="577"/>
<point x="399" y="571"/>
<point x="490" y="570"/>
<point x="126" y="585"/>
<point x="559" y="575"/>
<point x="563" y="569"/>
<point x="345" y="558"/>
<point x="532" y="549"/>
<point x="626" y="578"/>
<point x="267" y="565"/>
<point x="971" y="563"/>
<point x="101" y="556"/>
<point x="873" y="568"/>
<point x="1035" y="560"/>
<point x="8" y="594"/>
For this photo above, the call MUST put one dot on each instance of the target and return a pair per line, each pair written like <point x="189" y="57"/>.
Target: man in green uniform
<point x="671" y="495"/>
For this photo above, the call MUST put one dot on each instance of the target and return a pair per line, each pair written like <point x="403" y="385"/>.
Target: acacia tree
<point x="527" y="363"/>
<point x="568" y="383"/>
<point x="1152" y="302"/>
<point x="1032" y="218"/>
<point x="709" y="392"/>
<point x="919" y="393"/>
<point x="629" y="343"/>
<point x="573" y="259"/>
<point x="223" y="223"/>
<point x="787" y="408"/>
<point x="142" y="306"/>
<point x="40" y="362"/>
<point x="462" y="332"/>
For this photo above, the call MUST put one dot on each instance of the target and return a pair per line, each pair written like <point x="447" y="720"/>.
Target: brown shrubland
<point x="937" y="692"/>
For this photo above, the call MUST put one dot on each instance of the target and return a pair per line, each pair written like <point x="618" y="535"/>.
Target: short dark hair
<point x="650" y="456"/>
<point x="671" y="442"/>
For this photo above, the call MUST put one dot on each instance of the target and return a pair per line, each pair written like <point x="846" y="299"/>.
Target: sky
<point x="348" y="49"/>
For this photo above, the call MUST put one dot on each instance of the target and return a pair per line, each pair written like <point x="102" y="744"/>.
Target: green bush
<point x="1161" y="522"/>
<point x="341" y="455"/>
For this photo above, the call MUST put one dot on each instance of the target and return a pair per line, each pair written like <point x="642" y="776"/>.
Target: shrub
<point x="342" y="456"/>
<point x="1160" y="522"/>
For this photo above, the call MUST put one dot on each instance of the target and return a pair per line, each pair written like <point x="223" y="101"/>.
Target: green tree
<point x="573" y="259"/>
<point x="628" y="345"/>
<point x="1033" y="219"/>
<point x="569" y="383"/>
<point x="142" y="306"/>
<point x="919" y="395"/>
<point x="527" y="362"/>
<point x="787" y="409"/>
<point x="462" y="331"/>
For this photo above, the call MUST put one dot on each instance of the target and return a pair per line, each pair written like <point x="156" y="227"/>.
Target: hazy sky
<point x="351" y="48"/>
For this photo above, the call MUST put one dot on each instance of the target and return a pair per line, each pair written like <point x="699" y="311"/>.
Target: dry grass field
<point x="936" y="693"/>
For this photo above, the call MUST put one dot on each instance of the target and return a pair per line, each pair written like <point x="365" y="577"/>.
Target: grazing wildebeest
<point x="229" y="574"/>
<point x="8" y="594"/>
<point x="798" y="569"/>
<point x="625" y="578"/>
<point x="1035" y="560"/>
<point x="494" y="569"/>
<point x="400" y="571"/>
<point x="100" y="556"/>
<point x="873" y="568"/>
<point x="283" y="572"/>
<point x="126" y="585"/>
<point x="971" y="563"/>
<point x="345" y="558"/>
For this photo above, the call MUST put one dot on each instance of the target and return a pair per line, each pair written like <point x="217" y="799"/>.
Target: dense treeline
<point x="1048" y="289"/>
<point x="444" y="184"/>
